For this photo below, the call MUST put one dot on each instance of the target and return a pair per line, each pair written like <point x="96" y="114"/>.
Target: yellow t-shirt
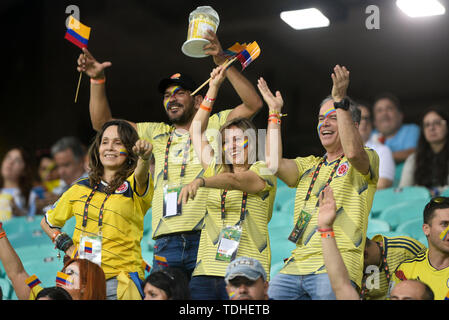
<point x="254" y="241"/>
<point x="193" y="212"/>
<point x="122" y="222"/>
<point x="397" y="249"/>
<point x="420" y="268"/>
<point x="353" y="194"/>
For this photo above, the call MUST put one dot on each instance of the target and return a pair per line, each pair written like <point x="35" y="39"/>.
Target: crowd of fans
<point x="212" y="198"/>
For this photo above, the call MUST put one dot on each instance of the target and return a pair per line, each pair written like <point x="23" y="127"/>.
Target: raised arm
<point x="285" y="169"/>
<point x="336" y="269"/>
<point x="351" y="141"/>
<point x="199" y="124"/>
<point x="143" y="150"/>
<point x="99" y="109"/>
<point x="251" y="102"/>
<point x="13" y="267"/>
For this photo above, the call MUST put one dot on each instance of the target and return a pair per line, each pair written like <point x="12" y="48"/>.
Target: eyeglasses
<point x="436" y="123"/>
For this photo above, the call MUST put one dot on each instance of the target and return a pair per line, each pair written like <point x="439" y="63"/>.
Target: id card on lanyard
<point x="171" y="207"/>
<point x="229" y="239"/>
<point x="305" y="217"/>
<point x="91" y="244"/>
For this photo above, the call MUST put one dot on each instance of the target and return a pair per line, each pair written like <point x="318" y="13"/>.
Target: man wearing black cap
<point x="176" y="228"/>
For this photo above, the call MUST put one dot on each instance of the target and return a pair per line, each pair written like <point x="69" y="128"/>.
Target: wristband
<point x="2" y="235"/>
<point x="207" y="99"/>
<point x="204" y="181"/>
<point x="63" y="242"/>
<point x="275" y="120"/>
<point x="325" y="230"/>
<point x="330" y="234"/>
<point x="97" y="81"/>
<point x="208" y="109"/>
<point x="55" y="234"/>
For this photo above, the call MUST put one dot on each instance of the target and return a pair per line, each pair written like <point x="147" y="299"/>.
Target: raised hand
<point x="214" y="48"/>
<point x="90" y="66"/>
<point x="274" y="102"/>
<point x="189" y="191"/>
<point x="143" y="149"/>
<point x="327" y="208"/>
<point x="340" y="79"/>
<point x="217" y="76"/>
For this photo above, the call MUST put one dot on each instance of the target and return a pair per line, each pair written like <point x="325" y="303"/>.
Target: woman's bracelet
<point x="204" y="181"/>
<point x="63" y="242"/>
<point x="2" y="234"/>
<point x="98" y="81"/>
<point x="207" y="99"/>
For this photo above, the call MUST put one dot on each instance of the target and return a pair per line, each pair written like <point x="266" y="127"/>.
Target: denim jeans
<point x="176" y="251"/>
<point x="208" y="288"/>
<point x="294" y="287"/>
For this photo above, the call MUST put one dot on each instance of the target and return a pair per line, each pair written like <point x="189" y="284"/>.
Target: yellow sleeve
<point x="61" y="211"/>
<point x="260" y="168"/>
<point x="373" y="174"/>
<point x="146" y="130"/>
<point x="213" y="169"/>
<point x="305" y="164"/>
<point x="145" y="200"/>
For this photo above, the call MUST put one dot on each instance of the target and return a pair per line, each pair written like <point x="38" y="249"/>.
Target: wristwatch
<point x="343" y="104"/>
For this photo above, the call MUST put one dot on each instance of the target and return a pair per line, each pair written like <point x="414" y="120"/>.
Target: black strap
<point x="184" y="158"/>
<point x="243" y="208"/>
<point x="384" y="266"/>
<point x="86" y="208"/>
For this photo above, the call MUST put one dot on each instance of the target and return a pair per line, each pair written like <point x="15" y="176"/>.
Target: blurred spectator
<point x="167" y="284"/>
<point x="69" y="156"/>
<point x="246" y="279"/>
<point x="86" y="282"/>
<point x="386" y="161"/>
<point x="16" y="183"/>
<point x="429" y="165"/>
<point x="412" y="290"/>
<point x="432" y="265"/>
<point x="54" y="293"/>
<point x="382" y="256"/>
<point x="388" y="116"/>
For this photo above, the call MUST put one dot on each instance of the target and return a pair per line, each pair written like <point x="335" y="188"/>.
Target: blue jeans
<point x="208" y="288"/>
<point x="294" y="287"/>
<point x="176" y="251"/>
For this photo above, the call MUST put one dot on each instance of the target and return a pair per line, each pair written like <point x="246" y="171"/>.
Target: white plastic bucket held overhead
<point x="200" y="20"/>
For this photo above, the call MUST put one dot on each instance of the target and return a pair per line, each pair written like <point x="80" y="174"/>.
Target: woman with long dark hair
<point x="109" y="207"/>
<point x="429" y="165"/>
<point x="16" y="182"/>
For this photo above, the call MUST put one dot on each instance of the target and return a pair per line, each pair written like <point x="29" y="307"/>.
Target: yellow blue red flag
<point x="77" y="33"/>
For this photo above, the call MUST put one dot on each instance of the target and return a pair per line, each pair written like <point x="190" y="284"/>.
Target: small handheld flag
<point x="32" y="281"/>
<point x="78" y="34"/>
<point x="63" y="279"/>
<point x="243" y="52"/>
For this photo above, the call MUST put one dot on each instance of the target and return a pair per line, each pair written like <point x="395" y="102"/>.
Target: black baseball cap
<point x="183" y="80"/>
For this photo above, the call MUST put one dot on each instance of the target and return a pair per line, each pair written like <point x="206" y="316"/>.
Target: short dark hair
<point x="72" y="143"/>
<point x="434" y="204"/>
<point x="389" y="96"/>
<point x="54" y="293"/>
<point x="356" y="114"/>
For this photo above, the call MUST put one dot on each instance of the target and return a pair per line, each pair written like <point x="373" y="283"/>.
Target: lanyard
<point x="384" y="266"/>
<point x="184" y="157"/>
<point x="315" y="175"/>
<point x="86" y="208"/>
<point x="243" y="210"/>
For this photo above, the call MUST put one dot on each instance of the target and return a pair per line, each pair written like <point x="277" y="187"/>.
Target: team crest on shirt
<point x="122" y="188"/>
<point x="342" y="169"/>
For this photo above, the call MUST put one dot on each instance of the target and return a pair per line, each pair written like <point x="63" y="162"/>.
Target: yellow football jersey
<point x="193" y="212"/>
<point x="122" y="227"/>
<point x="254" y="241"/>
<point x="353" y="194"/>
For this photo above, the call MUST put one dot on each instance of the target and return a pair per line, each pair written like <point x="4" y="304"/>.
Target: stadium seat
<point x="275" y="268"/>
<point x="7" y="288"/>
<point x="376" y="225"/>
<point x="412" y="227"/>
<point x="147" y="223"/>
<point x="283" y="197"/>
<point x="445" y="192"/>
<point x="281" y="247"/>
<point x="386" y="198"/>
<point x="69" y="226"/>
<point x="403" y="212"/>
<point x="397" y="174"/>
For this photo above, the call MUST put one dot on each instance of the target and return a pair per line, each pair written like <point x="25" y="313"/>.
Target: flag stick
<point x="78" y="87"/>
<point x="226" y="64"/>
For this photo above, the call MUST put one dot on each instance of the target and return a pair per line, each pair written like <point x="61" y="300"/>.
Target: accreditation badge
<point x="171" y="207"/>
<point x="229" y="241"/>
<point x="300" y="226"/>
<point x="90" y="248"/>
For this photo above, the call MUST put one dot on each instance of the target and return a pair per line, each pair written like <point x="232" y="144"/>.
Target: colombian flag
<point x="62" y="278"/>
<point x="444" y="234"/>
<point x="244" y="53"/>
<point x="88" y="247"/>
<point x="146" y="266"/>
<point x="32" y="281"/>
<point x="77" y="33"/>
